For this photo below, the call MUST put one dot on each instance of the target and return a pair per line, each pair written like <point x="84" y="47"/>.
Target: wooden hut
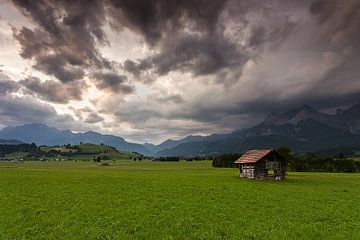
<point x="262" y="164"/>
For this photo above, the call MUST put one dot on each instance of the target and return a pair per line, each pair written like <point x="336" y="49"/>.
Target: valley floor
<point x="182" y="200"/>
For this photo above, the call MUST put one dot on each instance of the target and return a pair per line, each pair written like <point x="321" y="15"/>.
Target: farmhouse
<point x="262" y="164"/>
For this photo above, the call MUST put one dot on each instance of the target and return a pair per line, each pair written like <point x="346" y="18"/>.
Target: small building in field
<point x="103" y="164"/>
<point x="262" y="164"/>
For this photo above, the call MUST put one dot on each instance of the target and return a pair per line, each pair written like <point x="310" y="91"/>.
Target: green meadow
<point x="179" y="200"/>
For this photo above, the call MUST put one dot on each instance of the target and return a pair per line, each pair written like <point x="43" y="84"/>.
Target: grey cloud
<point x="214" y="50"/>
<point x="156" y="19"/>
<point x="113" y="82"/>
<point x="188" y="35"/>
<point x="323" y="8"/>
<point x="258" y="36"/>
<point x="7" y="85"/>
<point x="65" y="40"/>
<point x="294" y="56"/>
<point x="21" y="110"/>
<point x="136" y="115"/>
<point x="93" y="118"/>
<point x="55" y="65"/>
<point x="54" y="91"/>
<point x="78" y="112"/>
<point x="200" y="56"/>
<point x="176" y="98"/>
<point x="134" y="68"/>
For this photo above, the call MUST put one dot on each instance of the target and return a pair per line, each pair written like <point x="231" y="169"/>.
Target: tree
<point x="96" y="158"/>
<point x="285" y="151"/>
<point x="339" y="155"/>
<point x="226" y="160"/>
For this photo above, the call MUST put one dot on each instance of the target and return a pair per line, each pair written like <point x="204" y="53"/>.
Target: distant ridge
<point x="44" y="135"/>
<point x="10" y="141"/>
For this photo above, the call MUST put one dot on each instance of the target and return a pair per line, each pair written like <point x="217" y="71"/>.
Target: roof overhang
<point x="253" y="156"/>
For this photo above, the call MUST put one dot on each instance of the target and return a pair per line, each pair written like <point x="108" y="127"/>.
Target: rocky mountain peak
<point x="273" y="118"/>
<point x="307" y="112"/>
<point x="339" y="111"/>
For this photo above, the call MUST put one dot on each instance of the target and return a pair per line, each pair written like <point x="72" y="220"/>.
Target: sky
<point x="159" y="69"/>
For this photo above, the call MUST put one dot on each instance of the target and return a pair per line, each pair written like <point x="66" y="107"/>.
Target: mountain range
<point x="44" y="135"/>
<point x="302" y="129"/>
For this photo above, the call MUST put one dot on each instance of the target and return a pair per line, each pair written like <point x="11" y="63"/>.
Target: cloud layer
<point x="190" y="66"/>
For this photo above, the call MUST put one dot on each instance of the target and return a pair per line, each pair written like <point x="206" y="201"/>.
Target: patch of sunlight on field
<point x="180" y="200"/>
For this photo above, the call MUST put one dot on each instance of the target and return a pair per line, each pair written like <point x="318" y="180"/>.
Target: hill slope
<point x="86" y="151"/>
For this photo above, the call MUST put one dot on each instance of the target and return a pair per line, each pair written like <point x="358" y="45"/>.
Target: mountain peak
<point x="273" y="118"/>
<point x="295" y="116"/>
<point x="91" y="132"/>
<point x="307" y="112"/>
<point x="355" y="109"/>
<point x="339" y="111"/>
<point x="34" y="125"/>
<point x="306" y="106"/>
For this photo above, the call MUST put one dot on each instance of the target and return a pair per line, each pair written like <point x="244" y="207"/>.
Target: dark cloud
<point x="64" y="41"/>
<point x="205" y="45"/>
<point x="86" y="114"/>
<point x="21" y="110"/>
<point x="176" y="98"/>
<point x="93" y="118"/>
<point x="136" y="114"/>
<point x="54" y="91"/>
<point x="323" y="8"/>
<point x="154" y="20"/>
<point x="7" y="85"/>
<point x="267" y="55"/>
<point x="198" y="55"/>
<point x="189" y="36"/>
<point x="113" y="82"/>
<point x="57" y="66"/>
<point x="134" y="68"/>
<point x="257" y="36"/>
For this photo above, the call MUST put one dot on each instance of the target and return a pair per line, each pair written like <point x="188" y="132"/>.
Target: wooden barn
<point x="262" y="164"/>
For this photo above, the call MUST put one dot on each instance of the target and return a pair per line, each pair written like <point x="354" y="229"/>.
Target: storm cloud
<point x="113" y="82"/>
<point x="20" y="110"/>
<point x="93" y="118"/>
<point x="156" y="20"/>
<point x="63" y="42"/>
<point x="7" y="85"/>
<point x="152" y="69"/>
<point x="52" y="90"/>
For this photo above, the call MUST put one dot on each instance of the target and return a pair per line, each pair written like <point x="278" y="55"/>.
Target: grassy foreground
<point x="184" y="200"/>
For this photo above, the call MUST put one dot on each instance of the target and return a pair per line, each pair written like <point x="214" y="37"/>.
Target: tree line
<point x="31" y="149"/>
<point x="308" y="162"/>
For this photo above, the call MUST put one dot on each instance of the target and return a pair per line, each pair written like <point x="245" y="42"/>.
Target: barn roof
<point x="253" y="156"/>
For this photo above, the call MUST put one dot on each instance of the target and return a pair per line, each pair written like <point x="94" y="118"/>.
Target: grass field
<point x="183" y="200"/>
<point x="15" y="155"/>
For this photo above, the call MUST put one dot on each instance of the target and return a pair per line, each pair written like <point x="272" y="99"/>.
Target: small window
<point x="269" y="165"/>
